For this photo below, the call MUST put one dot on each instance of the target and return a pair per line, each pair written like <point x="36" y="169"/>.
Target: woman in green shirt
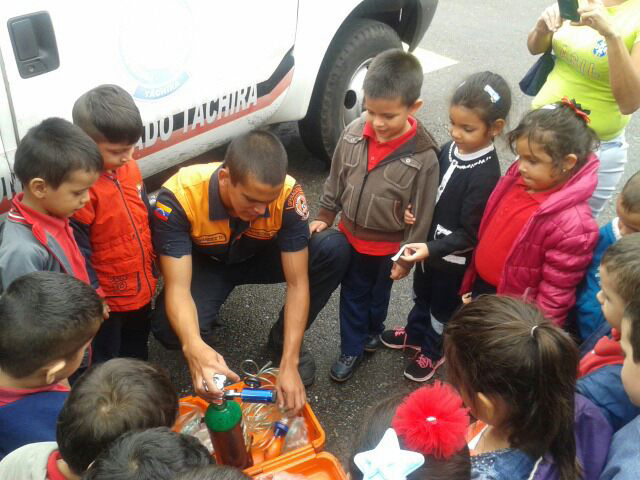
<point x="598" y="65"/>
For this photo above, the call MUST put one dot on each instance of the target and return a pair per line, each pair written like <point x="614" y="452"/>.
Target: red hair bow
<point x="577" y="108"/>
<point x="433" y="421"/>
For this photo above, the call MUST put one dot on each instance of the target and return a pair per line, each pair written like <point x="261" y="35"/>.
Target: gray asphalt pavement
<point x="487" y="35"/>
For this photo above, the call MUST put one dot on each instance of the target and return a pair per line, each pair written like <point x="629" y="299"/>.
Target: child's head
<point x="414" y="419"/>
<point x="109" y="400"/>
<point x="254" y="170"/>
<point x="517" y="373"/>
<point x="630" y="343"/>
<point x="619" y="277"/>
<point x="57" y="163"/>
<point x="109" y="115"/>
<point x="552" y="143"/>
<point x="392" y="88"/>
<point x="47" y="320"/>
<point x="478" y="111"/>
<point x="154" y="454"/>
<point x="214" y="472"/>
<point x="628" y="206"/>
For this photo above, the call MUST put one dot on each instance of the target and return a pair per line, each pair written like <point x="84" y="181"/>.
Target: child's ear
<point x="37" y="186"/>
<point x="497" y="127"/>
<point x="52" y="370"/>
<point x="486" y="408"/>
<point x="569" y="162"/>
<point x="417" y="105"/>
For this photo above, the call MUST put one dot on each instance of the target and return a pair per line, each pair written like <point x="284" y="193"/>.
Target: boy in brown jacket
<point x="384" y="161"/>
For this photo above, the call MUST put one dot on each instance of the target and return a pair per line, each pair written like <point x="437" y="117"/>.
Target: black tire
<point x="357" y="41"/>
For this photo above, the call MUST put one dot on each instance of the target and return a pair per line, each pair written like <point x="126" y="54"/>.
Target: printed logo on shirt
<point x="162" y="212"/>
<point x="601" y="48"/>
<point x="298" y="201"/>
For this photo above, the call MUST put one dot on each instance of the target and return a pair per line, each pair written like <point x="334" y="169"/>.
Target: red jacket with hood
<point x="553" y="250"/>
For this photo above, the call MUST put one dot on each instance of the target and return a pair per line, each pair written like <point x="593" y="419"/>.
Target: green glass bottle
<point x="224" y="422"/>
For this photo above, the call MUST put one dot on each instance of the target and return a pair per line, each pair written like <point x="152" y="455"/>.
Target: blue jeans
<point x="613" y="158"/>
<point x="364" y="300"/>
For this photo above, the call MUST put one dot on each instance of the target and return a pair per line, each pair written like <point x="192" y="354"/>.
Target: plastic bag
<point x="297" y="436"/>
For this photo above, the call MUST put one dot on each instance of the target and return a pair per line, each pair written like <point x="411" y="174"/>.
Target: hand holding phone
<point x="569" y="10"/>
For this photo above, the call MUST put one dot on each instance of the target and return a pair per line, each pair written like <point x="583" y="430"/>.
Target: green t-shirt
<point x="582" y="69"/>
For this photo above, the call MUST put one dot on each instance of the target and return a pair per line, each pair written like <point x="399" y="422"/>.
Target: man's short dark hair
<point x="155" y="454"/>
<point x="108" y="113"/>
<point x="214" y="472"/>
<point x="394" y="73"/>
<point x="109" y="400"/>
<point x="45" y="316"/>
<point x="622" y="262"/>
<point x="630" y="195"/>
<point x="258" y="154"/>
<point x="53" y="150"/>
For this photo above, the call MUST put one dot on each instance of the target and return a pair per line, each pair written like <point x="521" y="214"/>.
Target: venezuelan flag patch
<point x="162" y="212"/>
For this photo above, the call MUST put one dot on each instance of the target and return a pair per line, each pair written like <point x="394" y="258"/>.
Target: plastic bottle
<point x="224" y="422"/>
<point x="274" y="449"/>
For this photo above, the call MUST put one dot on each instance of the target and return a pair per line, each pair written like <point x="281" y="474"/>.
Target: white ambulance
<point x="201" y="71"/>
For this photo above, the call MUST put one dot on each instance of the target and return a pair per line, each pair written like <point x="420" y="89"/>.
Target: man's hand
<point x="398" y="272"/>
<point x="596" y="16"/>
<point x="204" y="362"/>
<point x="550" y="20"/>
<point x="291" y="393"/>
<point x="317" y="226"/>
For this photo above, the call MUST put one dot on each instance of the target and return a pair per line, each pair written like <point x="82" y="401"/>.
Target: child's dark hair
<point x="108" y="113"/>
<point x="154" y="454"/>
<point x="630" y="195"/>
<point x="487" y="93"/>
<point x="109" y="400"/>
<point x="560" y="131"/>
<point x="258" y="154"/>
<point x="622" y="262"/>
<point x="214" y="472"/>
<point x="45" y="316"/>
<point x="376" y="422"/>
<point x="394" y="73"/>
<point x="53" y="150"/>
<point x="500" y="346"/>
<point x="632" y="315"/>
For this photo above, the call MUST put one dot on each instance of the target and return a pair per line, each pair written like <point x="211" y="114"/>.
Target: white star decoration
<point x="387" y="461"/>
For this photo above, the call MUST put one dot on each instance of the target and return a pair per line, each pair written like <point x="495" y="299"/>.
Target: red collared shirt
<point x="376" y="153"/>
<point x="606" y="352"/>
<point x="61" y="230"/>
<point x="53" y="472"/>
<point x="512" y="213"/>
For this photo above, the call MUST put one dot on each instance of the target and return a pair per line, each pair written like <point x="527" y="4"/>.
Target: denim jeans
<point x="613" y="158"/>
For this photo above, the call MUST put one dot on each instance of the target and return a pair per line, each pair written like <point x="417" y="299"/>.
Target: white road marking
<point x="432" y="61"/>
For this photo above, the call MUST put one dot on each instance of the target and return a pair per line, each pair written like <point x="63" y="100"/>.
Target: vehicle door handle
<point x="34" y="44"/>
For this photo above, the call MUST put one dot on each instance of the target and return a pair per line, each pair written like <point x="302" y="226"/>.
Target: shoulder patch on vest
<point x="298" y="202"/>
<point x="162" y="211"/>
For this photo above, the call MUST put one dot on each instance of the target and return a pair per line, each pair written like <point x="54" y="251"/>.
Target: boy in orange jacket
<point x="112" y="229"/>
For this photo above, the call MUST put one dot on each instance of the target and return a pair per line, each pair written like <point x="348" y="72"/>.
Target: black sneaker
<point x="372" y="344"/>
<point x="343" y="369"/>
<point x="397" y="339"/>
<point x="422" y="368"/>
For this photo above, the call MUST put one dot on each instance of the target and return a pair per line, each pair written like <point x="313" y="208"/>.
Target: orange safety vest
<point x="122" y="253"/>
<point x="190" y="186"/>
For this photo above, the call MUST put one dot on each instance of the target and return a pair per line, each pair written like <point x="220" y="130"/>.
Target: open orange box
<point x="309" y="460"/>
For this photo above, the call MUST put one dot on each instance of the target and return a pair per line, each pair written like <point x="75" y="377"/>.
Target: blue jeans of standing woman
<point x="613" y="158"/>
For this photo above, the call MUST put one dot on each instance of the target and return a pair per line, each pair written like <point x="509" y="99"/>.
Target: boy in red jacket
<point x="112" y="229"/>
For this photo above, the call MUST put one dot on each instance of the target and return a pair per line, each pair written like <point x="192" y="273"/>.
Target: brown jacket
<point x="373" y="203"/>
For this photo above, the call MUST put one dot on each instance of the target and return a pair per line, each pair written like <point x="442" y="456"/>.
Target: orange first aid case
<point x="309" y="460"/>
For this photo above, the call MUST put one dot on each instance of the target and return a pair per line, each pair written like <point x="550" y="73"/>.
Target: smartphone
<point x="569" y="10"/>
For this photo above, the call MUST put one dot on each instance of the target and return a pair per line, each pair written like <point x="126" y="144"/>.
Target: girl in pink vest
<point x="537" y="234"/>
